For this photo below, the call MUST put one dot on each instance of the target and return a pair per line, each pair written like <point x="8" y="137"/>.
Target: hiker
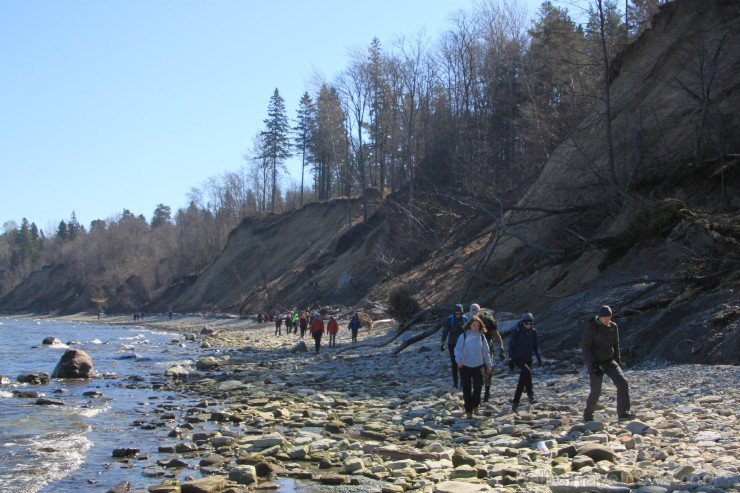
<point x="354" y="325"/>
<point x="473" y="358"/>
<point x="303" y="324"/>
<point x="317" y="330"/>
<point x="288" y="323"/>
<point x="522" y="344"/>
<point x="492" y="334"/>
<point x="452" y="329"/>
<point x="278" y="325"/>
<point x="332" y="328"/>
<point x="296" y="317"/>
<point x="601" y="352"/>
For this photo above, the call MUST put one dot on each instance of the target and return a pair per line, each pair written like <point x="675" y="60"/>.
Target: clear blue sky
<point x="113" y="104"/>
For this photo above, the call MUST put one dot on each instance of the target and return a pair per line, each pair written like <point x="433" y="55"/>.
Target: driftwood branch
<point x="436" y="311"/>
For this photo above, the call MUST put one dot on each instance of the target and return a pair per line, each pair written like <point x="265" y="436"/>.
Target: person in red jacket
<point x="332" y="327"/>
<point x="317" y="330"/>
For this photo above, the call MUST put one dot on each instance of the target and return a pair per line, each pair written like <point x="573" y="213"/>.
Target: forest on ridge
<point x="475" y="113"/>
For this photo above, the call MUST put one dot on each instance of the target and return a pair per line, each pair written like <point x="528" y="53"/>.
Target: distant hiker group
<point x="305" y="320"/>
<point x="470" y="339"/>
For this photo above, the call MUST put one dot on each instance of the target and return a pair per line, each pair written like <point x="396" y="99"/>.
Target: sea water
<point x="50" y="448"/>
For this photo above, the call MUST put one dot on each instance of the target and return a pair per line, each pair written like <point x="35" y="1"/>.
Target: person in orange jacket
<point x="332" y="327"/>
<point x="317" y="330"/>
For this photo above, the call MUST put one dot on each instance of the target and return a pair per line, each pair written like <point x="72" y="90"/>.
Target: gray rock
<point x="244" y="474"/>
<point x="34" y="378"/>
<point x="597" y="452"/>
<point x="210" y="484"/>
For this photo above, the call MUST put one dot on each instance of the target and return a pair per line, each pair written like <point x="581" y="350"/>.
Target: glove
<point x="511" y="365"/>
<point x="443" y="348"/>
<point x="597" y="369"/>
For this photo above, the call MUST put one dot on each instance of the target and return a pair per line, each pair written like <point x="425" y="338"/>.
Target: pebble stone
<point x="368" y="420"/>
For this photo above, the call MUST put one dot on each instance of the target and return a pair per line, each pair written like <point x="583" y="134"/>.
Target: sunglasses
<point x="527" y="323"/>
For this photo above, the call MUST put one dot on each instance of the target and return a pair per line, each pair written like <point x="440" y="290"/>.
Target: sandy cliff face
<point x="656" y="236"/>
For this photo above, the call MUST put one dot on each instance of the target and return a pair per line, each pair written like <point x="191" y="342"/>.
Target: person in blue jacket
<point x="453" y="328"/>
<point x="522" y="344"/>
<point x="473" y="357"/>
<point x="354" y="326"/>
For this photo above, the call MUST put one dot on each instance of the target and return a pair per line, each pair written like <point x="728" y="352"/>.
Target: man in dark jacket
<point x="452" y="329"/>
<point x="601" y="352"/>
<point x="523" y="343"/>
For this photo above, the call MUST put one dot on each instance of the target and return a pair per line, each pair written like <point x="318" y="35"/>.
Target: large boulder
<point x="51" y="341"/>
<point x="74" y="363"/>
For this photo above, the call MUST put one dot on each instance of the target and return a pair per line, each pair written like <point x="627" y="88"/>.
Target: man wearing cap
<point x="452" y="329"/>
<point x="522" y="344"/>
<point x="601" y="352"/>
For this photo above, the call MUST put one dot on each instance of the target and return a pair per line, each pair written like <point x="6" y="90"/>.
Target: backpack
<point x="490" y="322"/>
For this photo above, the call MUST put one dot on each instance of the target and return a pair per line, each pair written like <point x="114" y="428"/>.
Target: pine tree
<point x="162" y="215"/>
<point x="276" y="139"/>
<point x="305" y="132"/>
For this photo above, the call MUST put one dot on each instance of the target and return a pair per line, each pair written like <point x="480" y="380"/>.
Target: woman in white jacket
<point x="473" y="357"/>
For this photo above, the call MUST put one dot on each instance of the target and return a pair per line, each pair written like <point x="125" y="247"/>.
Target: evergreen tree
<point x="305" y="131"/>
<point x="74" y="228"/>
<point x="162" y="215"/>
<point x="62" y="231"/>
<point x="276" y="139"/>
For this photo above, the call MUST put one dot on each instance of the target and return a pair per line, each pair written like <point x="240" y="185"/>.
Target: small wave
<point x="5" y="394"/>
<point x="132" y="338"/>
<point x="47" y="458"/>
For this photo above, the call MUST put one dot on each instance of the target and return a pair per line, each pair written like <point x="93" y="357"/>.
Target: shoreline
<point x="359" y="419"/>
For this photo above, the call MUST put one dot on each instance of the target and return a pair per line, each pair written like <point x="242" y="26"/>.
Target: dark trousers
<point x="472" y="381"/>
<point x="332" y="340"/>
<point x="525" y="379"/>
<point x="453" y="364"/>
<point x="354" y="335"/>
<point x="317" y="339"/>
<point x="278" y="330"/>
<point x="613" y="371"/>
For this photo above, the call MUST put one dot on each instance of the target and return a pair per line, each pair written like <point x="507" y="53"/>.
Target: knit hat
<point x="527" y="317"/>
<point x="474" y="309"/>
<point x="605" y="311"/>
<point x="458" y="308"/>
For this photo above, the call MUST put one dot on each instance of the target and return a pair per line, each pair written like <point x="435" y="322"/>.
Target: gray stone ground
<point x="360" y="419"/>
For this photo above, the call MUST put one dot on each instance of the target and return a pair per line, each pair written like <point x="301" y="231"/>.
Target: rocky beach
<point x="362" y="419"/>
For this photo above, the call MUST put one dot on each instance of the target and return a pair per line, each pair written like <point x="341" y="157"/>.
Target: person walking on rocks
<point x="522" y="344"/>
<point x="317" y="330"/>
<point x="492" y="334"/>
<point x="278" y="325"/>
<point x="332" y="327"/>
<point x="303" y="324"/>
<point x="453" y="328"/>
<point x="354" y="326"/>
<point x="473" y="358"/>
<point x="601" y="352"/>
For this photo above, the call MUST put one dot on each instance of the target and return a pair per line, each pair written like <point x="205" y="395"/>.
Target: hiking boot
<point x="588" y="418"/>
<point x="531" y="399"/>
<point x="626" y="416"/>
<point x="514" y="406"/>
<point x="476" y="411"/>
<point x="468" y="415"/>
<point x="486" y="395"/>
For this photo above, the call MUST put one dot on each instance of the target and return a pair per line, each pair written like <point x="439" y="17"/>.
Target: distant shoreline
<point x="185" y="323"/>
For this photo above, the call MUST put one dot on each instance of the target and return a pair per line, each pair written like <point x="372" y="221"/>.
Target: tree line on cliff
<point x="477" y="111"/>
